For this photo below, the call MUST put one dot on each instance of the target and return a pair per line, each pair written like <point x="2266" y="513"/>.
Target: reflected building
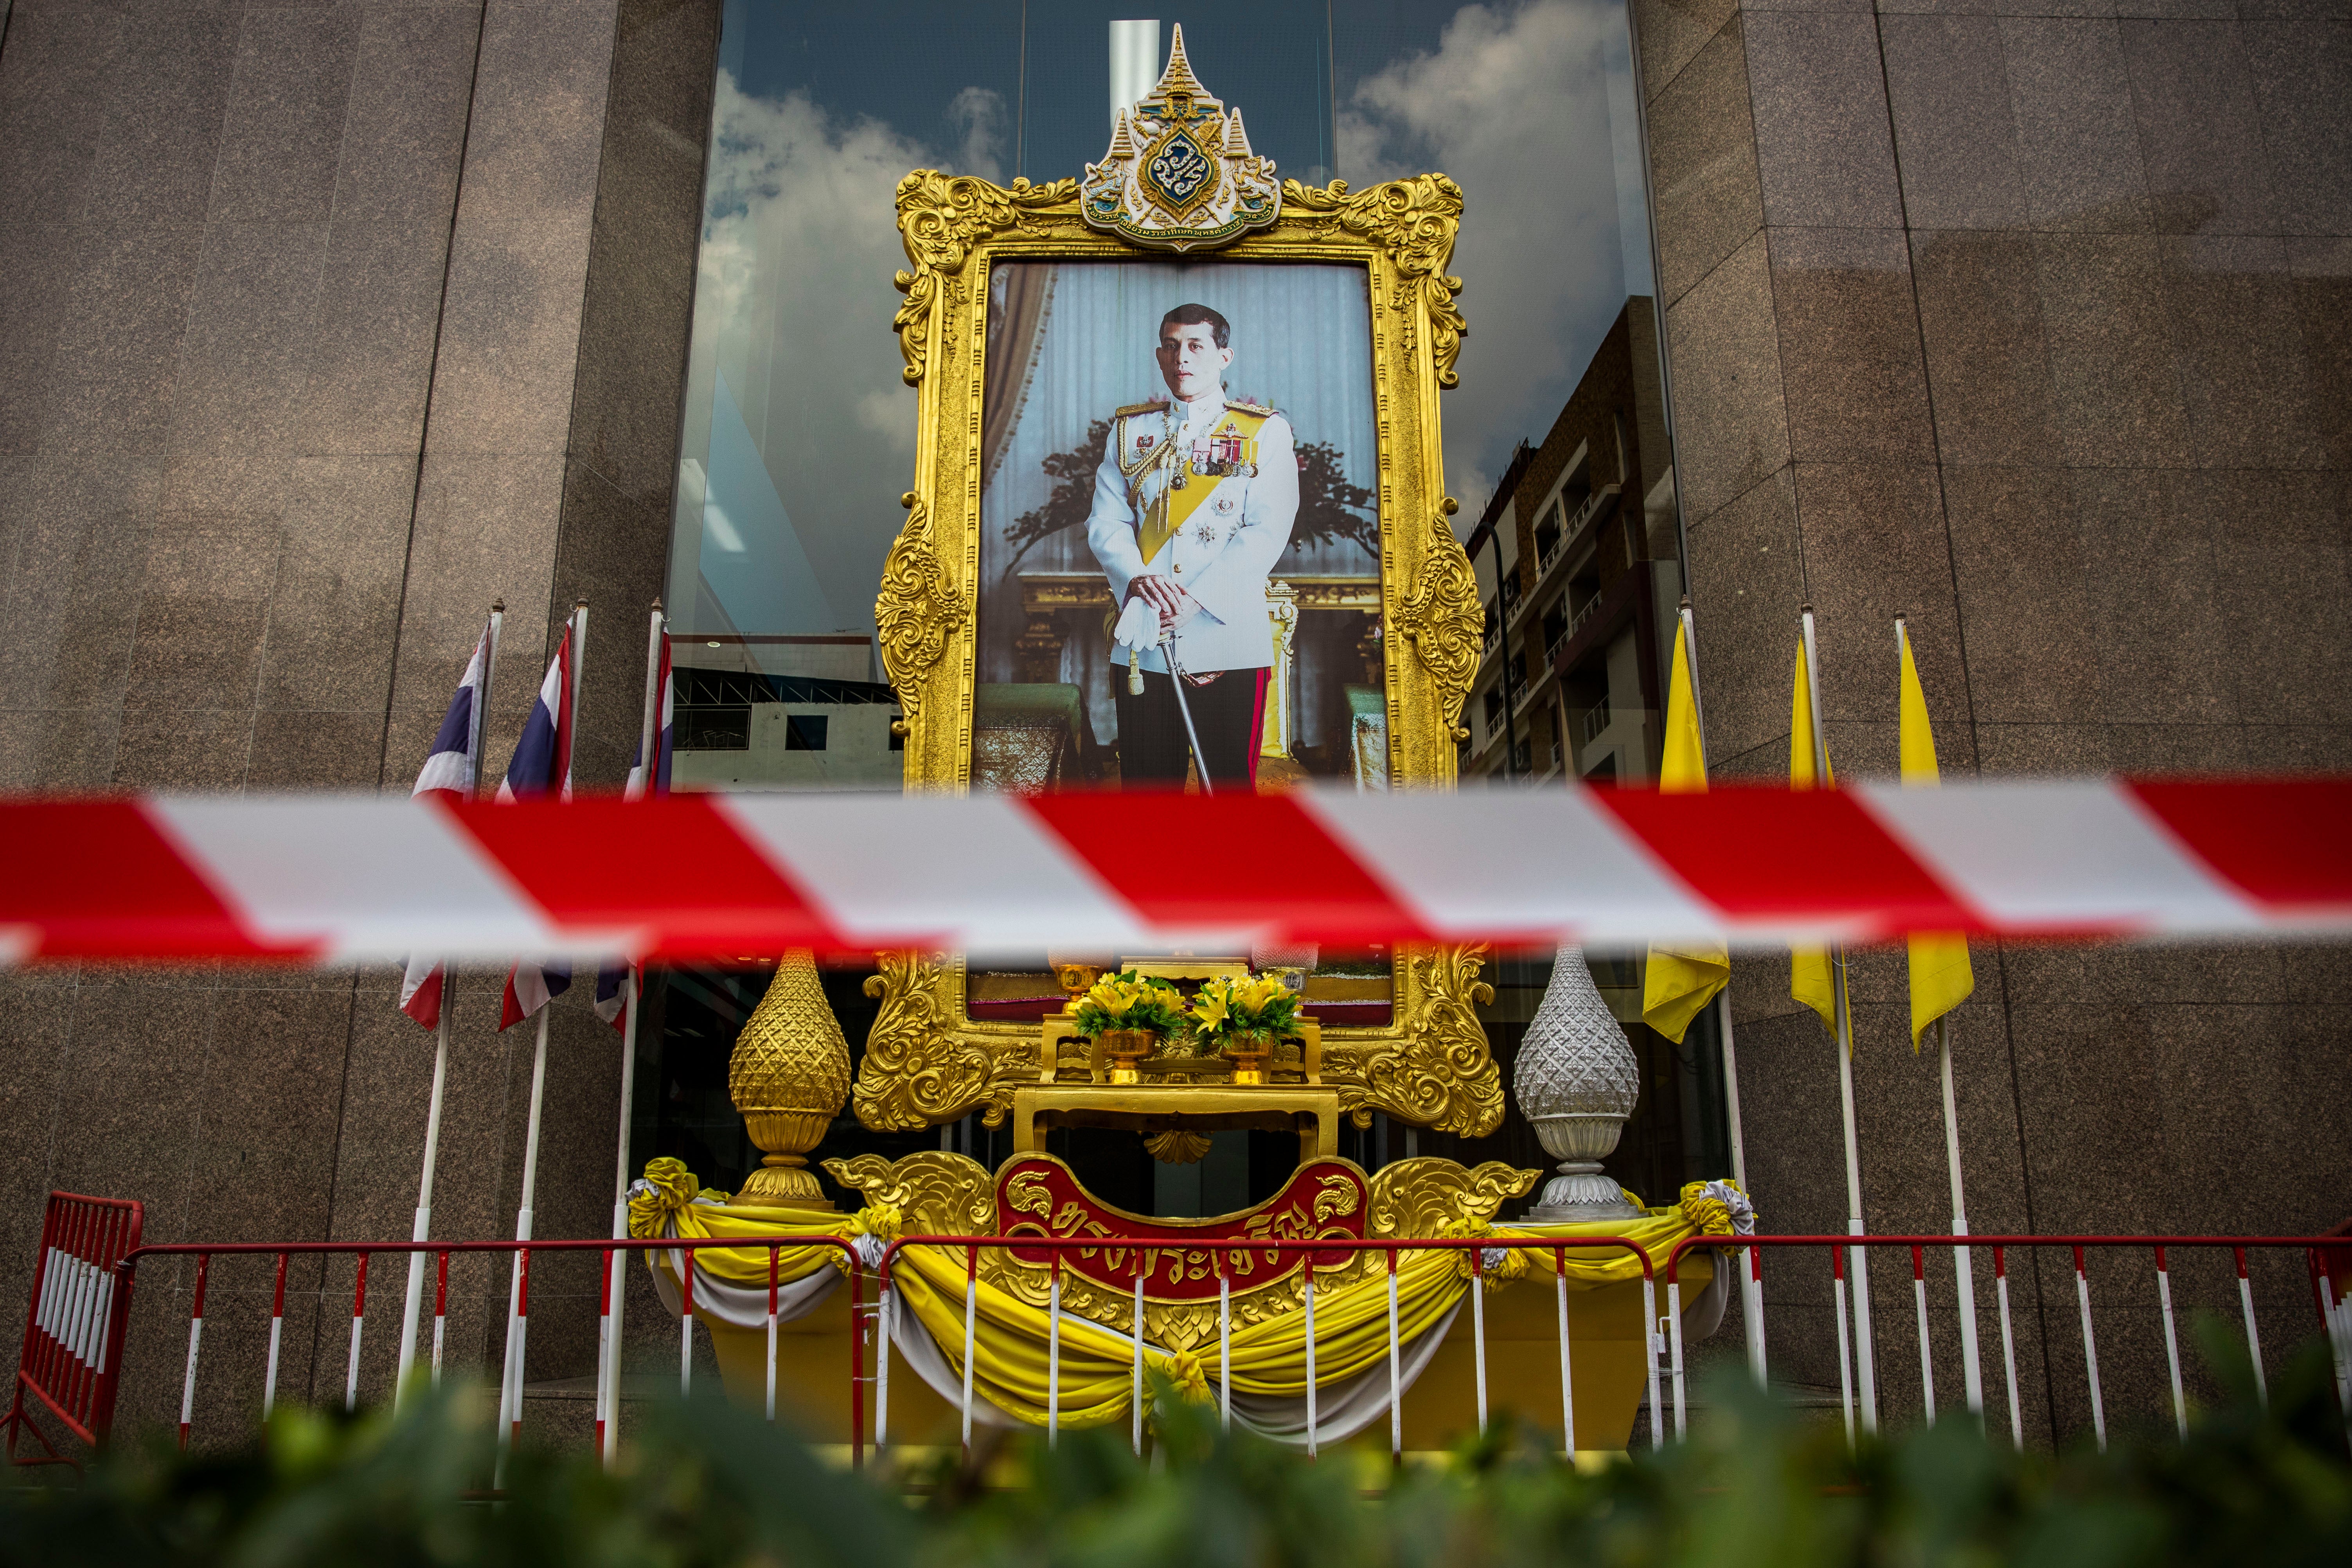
<point x="1580" y="567"/>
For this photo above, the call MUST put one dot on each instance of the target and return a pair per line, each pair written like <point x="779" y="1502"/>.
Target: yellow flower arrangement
<point x="1224" y="1006"/>
<point x="1129" y="1001"/>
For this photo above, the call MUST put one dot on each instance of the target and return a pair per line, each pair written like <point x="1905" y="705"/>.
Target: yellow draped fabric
<point x="1699" y="1212"/>
<point x="1010" y="1337"/>
<point x="1811" y="971"/>
<point x="1681" y="979"/>
<point x="671" y="1201"/>
<point x="1269" y="1357"/>
<point x="1941" y="978"/>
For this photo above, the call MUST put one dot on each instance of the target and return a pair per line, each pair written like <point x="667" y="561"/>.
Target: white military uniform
<point x="1203" y="493"/>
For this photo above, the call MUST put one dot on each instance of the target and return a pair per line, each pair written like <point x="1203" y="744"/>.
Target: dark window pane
<point x="714" y="728"/>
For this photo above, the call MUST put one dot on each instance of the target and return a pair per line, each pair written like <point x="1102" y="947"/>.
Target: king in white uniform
<point x="1193" y="504"/>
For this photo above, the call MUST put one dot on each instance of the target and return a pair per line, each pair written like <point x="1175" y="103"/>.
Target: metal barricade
<point x="90" y="1252"/>
<point x="114" y="1281"/>
<point x="2329" y="1281"/>
<point x="1222" y="1249"/>
<point x="72" y="1356"/>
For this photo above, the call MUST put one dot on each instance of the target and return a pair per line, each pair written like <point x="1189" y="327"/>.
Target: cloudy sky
<point x="1515" y="103"/>
<point x="1514" y="100"/>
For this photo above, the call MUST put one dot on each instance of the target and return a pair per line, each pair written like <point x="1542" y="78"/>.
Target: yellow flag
<point x="1940" y="976"/>
<point x="1680" y="981"/>
<point x="1810" y="969"/>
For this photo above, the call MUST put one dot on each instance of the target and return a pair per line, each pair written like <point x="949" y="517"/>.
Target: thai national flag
<point x="666" y="700"/>
<point x="449" y="768"/>
<point x="610" y="1002"/>
<point x="541" y="765"/>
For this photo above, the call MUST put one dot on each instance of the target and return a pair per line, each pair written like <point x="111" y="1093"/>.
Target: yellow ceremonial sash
<point x="1172" y="507"/>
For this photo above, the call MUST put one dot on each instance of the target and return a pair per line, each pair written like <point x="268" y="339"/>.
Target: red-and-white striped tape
<point x="341" y="879"/>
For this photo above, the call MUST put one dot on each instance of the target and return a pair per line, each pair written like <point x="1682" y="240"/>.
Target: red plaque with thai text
<point x="1036" y="1195"/>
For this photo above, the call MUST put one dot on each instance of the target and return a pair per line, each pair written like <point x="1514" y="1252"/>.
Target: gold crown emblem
<point x="1179" y="173"/>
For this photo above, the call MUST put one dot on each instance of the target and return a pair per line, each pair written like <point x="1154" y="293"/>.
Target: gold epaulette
<point x="1138" y="408"/>
<point x="1260" y="409"/>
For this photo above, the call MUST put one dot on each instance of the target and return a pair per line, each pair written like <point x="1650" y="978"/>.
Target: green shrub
<point x="709" y="1484"/>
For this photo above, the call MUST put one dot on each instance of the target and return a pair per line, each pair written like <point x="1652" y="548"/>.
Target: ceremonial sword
<point x="1176" y="676"/>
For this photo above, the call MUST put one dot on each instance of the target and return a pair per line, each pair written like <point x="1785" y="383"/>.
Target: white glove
<point x="1139" y="625"/>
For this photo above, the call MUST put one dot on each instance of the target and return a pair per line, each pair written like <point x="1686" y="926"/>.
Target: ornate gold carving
<point x="1336" y="1200"/>
<point x="940" y="217"/>
<point x="788" y="1074"/>
<point x="1425" y="1197"/>
<point x="1436" y="1070"/>
<point x="918" y="1070"/>
<point x="1415" y="222"/>
<point x="917" y="610"/>
<point x="935" y="1192"/>
<point x="1444" y="619"/>
<point x="1177" y="1147"/>
<point x="940" y="1193"/>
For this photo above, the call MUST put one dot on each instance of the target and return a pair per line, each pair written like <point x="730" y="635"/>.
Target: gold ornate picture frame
<point x="928" y="1062"/>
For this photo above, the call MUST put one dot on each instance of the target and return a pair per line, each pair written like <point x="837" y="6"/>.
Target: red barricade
<point x="73" y="1329"/>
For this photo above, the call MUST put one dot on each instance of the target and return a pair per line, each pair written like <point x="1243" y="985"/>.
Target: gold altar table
<point x="1074" y="1087"/>
<point x="1309" y="1110"/>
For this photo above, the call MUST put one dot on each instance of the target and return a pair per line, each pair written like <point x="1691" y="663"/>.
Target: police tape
<point x="332" y="880"/>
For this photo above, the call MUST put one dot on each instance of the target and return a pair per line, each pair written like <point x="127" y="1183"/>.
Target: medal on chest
<point x="1225" y="451"/>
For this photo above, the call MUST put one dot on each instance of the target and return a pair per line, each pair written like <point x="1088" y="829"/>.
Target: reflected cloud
<point x="1514" y="104"/>
<point x="795" y="310"/>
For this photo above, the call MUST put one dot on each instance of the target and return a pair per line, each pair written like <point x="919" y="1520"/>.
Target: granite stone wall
<point x="2027" y="317"/>
<point x="321" y="326"/>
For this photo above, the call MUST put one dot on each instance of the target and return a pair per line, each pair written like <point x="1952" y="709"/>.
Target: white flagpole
<point x="610" y="1372"/>
<point x="511" y="1413"/>
<point x="1964" y="1271"/>
<point x="1751" y="1305"/>
<point x="422" y="1230"/>
<point x="648" y="738"/>
<point x="1963" y="1264"/>
<point x="1858" y="1261"/>
<point x="510" y="1403"/>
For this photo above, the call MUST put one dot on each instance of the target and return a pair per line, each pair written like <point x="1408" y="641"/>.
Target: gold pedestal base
<point x="782" y="1182"/>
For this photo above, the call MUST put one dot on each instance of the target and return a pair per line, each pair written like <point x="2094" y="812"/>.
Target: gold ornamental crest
<point x="1180" y="175"/>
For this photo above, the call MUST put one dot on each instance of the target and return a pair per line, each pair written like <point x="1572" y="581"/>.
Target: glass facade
<point x="799" y="430"/>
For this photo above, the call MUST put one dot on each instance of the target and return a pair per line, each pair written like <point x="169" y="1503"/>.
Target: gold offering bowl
<point x="1124" y="1049"/>
<point x="1249" y="1051"/>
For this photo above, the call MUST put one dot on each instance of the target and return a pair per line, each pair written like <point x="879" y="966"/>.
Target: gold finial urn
<point x="788" y="1076"/>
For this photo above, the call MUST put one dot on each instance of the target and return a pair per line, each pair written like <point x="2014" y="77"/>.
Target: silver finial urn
<point x="1576" y="1081"/>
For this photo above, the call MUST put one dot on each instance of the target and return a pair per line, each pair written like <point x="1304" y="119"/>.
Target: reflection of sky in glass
<point x="1267" y="58"/>
<point x="799" y="430"/>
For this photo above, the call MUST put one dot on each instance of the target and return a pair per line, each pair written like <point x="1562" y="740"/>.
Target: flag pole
<point x="1963" y="1263"/>
<point x="517" y="1327"/>
<point x="1964" y="1271"/>
<point x="1730" y="1060"/>
<point x="510" y="1404"/>
<point x="422" y="1230"/>
<point x="617" y="1292"/>
<point x="1857" y="1257"/>
<point x="1750" y="1296"/>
